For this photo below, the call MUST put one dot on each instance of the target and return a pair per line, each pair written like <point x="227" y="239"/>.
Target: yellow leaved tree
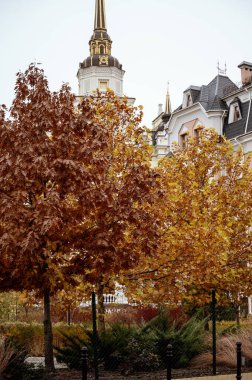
<point x="205" y="215"/>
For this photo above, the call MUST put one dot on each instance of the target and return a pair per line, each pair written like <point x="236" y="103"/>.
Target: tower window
<point x="102" y="49"/>
<point x="103" y="85"/>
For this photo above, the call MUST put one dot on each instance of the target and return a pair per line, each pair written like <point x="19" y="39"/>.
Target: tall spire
<point x="168" y="110"/>
<point x="100" y="16"/>
<point x="100" y="42"/>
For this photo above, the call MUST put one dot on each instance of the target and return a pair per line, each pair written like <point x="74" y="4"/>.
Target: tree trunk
<point x="48" y="336"/>
<point x="238" y="315"/>
<point x="69" y="316"/>
<point x="101" y="309"/>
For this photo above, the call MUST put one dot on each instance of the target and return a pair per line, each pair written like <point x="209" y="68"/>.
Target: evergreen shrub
<point x="138" y="348"/>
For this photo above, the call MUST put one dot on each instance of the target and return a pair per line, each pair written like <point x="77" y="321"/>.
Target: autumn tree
<point x="205" y="232"/>
<point x="74" y="191"/>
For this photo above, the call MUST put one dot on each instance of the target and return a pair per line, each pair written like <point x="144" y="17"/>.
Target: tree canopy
<point x="205" y="231"/>
<point x="75" y="187"/>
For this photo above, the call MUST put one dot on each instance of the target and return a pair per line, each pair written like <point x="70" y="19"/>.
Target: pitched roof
<point x="209" y="96"/>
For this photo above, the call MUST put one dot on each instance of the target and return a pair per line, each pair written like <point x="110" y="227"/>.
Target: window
<point x="102" y="49"/>
<point x="237" y="114"/>
<point x="103" y="85"/>
<point x="234" y="112"/>
<point x="184" y="140"/>
<point x="196" y="133"/>
<point x="188" y="100"/>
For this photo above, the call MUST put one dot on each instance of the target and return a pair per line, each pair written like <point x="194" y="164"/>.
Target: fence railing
<point x="169" y="359"/>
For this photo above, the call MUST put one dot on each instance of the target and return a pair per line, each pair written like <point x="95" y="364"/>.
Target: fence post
<point x="95" y="336"/>
<point x="169" y="361"/>
<point x="84" y="363"/>
<point x="239" y="360"/>
<point x="214" y="330"/>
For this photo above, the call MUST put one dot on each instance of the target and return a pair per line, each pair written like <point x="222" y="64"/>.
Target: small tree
<point x="75" y="185"/>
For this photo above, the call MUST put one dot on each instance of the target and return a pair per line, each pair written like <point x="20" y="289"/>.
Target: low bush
<point x="11" y="361"/>
<point x="187" y="340"/>
<point x="226" y="350"/>
<point x="139" y="348"/>
<point x="22" y="335"/>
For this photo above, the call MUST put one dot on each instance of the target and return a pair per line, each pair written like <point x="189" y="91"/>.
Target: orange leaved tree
<point x="74" y="192"/>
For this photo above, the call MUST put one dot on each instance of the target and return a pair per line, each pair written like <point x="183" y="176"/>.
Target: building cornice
<point x="192" y="109"/>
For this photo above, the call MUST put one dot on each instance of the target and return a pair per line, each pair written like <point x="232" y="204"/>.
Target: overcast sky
<point x="156" y="41"/>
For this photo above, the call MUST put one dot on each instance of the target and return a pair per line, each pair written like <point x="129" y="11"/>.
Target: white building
<point x="221" y="105"/>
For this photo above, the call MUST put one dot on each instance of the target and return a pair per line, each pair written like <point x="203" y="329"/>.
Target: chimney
<point x="160" y="109"/>
<point x="246" y="72"/>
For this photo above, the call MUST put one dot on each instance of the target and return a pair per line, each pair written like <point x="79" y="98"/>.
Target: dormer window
<point x="234" y="112"/>
<point x="188" y="100"/>
<point x="237" y="113"/>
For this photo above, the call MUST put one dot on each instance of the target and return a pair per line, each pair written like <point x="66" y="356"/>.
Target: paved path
<point x="40" y="362"/>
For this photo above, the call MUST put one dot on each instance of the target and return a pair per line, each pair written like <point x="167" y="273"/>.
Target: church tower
<point x="100" y="69"/>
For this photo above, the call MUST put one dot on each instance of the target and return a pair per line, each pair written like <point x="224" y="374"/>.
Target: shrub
<point x="186" y="341"/>
<point x="11" y="361"/>
<point x="137" y="348"/>
<point x="22" y="335"/>
<point x="226" y="350"/>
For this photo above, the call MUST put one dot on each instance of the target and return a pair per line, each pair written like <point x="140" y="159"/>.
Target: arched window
<point x="188" y="100"/>
<point x="102" y="49"/>
<point x="235" y="111"/>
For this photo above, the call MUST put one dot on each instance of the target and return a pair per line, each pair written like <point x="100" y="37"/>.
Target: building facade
<point x="221" y="105"/>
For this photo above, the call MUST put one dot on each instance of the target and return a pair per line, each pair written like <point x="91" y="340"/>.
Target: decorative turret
<point x="168" y="111"/>
<point x="100" y="43"/>
<point x="100" y="70"/>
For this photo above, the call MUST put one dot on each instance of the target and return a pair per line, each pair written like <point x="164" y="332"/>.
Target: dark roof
<point x="209" y="96"/>
<point x="237" y="128"/>
<point x="197" y="88"/>
<point x="166" y="117"/>
<point x="160" y="128"/>
<point x="100" y="35"/>
<point x="195" y="95"/>
<point x="217" y="104"/>
<point x="95" y="61"/>
<point x="245" y="63"/>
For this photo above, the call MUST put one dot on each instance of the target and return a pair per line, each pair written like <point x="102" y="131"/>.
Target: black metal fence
<point x="162" y="350"/>
<point x="169" y="363"/>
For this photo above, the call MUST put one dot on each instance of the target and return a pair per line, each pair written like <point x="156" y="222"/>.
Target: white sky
<point x="179" y="41"/>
